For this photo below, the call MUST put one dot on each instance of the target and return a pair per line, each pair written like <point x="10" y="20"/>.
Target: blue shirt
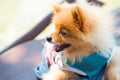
<point x="88" y="68"/>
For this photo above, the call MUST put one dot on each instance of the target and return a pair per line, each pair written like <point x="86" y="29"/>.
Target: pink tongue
<point x="61" y="47"/>
<point x="56" y="47"/>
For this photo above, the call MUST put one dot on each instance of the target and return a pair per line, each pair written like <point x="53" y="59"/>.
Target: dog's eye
<point x="63" y="32"/>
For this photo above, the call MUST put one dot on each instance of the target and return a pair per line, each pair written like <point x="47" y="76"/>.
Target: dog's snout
<point x="49" y="39"/>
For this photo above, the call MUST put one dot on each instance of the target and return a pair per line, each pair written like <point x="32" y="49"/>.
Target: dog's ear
<point x="56" y="8"/>
<point x="77" y="15"/>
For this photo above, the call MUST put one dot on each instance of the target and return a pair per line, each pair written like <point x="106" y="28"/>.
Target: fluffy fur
<point x="87" y="29"/>
<point x="56" y="74"/>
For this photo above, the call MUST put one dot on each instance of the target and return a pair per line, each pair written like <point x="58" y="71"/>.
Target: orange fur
<point x="88" y="30"/>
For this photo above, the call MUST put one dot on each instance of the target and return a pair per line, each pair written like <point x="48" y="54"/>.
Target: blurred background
<point x="19" y="16"/>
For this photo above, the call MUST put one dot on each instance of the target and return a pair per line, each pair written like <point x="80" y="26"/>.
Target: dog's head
<point x="67" y="21"/>
<point x="75" y="30"/>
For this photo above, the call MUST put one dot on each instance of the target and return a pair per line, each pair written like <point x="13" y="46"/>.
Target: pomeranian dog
<point x="83" y="44"/>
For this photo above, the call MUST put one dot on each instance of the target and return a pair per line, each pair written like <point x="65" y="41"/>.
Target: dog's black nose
<point x="49" y="39"/>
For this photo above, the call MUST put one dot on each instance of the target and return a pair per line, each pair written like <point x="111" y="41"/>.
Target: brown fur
<point x="88" y="30"/>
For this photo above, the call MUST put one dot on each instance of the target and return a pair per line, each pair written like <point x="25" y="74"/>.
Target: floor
<point x="19" y="62"/>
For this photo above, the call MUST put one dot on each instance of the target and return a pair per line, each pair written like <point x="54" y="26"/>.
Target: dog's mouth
<point x="60" y="47"/>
